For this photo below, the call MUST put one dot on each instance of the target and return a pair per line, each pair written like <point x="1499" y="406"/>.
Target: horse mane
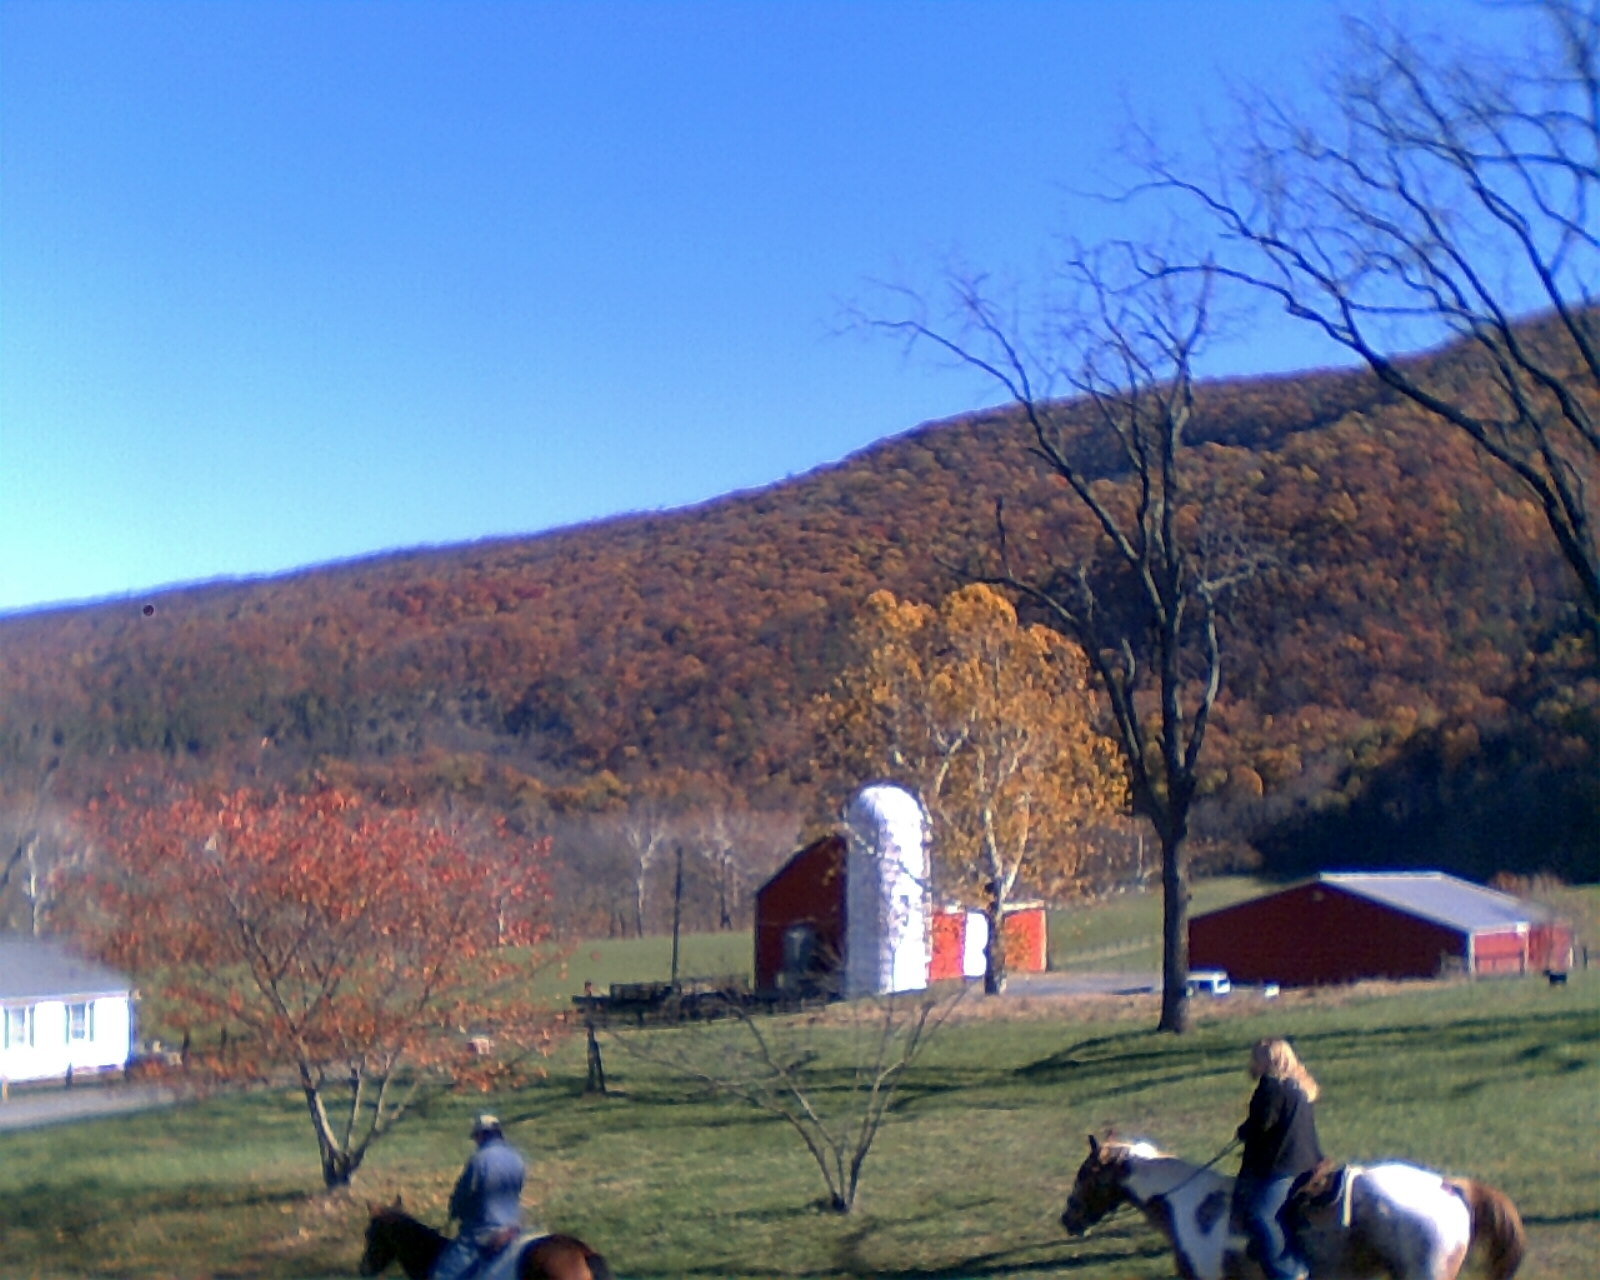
<point x="396" y="1216"/>
<point x="410" y="1235"/>
<point x="1134" y="1148"/>
<point x="1496" y="1224"/>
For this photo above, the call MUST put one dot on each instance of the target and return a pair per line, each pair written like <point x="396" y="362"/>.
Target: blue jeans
<point x="1257" y="1201"/>
<point x="461" y="1257"/>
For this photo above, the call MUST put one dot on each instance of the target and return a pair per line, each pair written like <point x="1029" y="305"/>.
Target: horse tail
<point x="1496" y="1226"/>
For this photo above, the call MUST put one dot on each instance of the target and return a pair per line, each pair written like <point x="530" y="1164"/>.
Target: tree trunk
<point x="724" y="907"/>
<point x="338" y="1166"/>
<point x="337" y="1170"/>
<point x="994" y="947"/>
<point x="1174" y="935"/>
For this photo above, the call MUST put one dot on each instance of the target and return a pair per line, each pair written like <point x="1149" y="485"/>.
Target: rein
<point x="1179" y="1186"/>
<point x="1231" y="1144"/>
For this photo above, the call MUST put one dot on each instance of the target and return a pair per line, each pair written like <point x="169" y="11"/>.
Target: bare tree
<point x="1437" y="191"/>
<point x="831" y="1078"/>
<point x="38" y="848"/>
<point x="641" y="836"/>
<point x="1106" y="386"/>
<point x="737" y="844"/>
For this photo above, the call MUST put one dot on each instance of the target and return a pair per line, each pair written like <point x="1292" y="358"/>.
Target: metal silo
<point x="886" y="902"/>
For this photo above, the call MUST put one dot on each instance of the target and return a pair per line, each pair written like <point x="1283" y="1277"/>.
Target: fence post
<point x="596" y="1082"/>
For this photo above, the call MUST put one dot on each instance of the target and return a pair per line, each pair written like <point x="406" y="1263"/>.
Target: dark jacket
<point x="488" y="1194"/>
<point x="1280" y="1133"/>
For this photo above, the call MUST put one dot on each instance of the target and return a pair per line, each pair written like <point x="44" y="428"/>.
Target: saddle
<point x="500" y="1255"/>
<point x="1322" y="1186"/>
<point x="492" y="1246"/>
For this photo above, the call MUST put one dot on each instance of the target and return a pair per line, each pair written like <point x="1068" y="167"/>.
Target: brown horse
<point x="393" y="1235"/>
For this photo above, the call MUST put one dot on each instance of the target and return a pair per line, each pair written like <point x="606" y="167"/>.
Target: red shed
<point x="1346" y="926"/>
<point x="1027" y="938"/>
<point x="800" y="921"/>
<point x="959" y="936"/>
<point x="802" y="928"/>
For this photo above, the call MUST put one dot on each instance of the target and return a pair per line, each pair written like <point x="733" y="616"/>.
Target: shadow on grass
<point x="1560" y="1219"/>
<point x="1027" y="1259"/>
<point x="83" y="1216"/>
<point x="1132" y="1057"/>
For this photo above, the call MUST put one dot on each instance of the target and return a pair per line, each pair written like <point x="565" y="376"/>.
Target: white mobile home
<point x="59" y="1013"/>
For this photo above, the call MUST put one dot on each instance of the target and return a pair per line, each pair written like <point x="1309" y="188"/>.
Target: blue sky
<point x="284" y="283"/>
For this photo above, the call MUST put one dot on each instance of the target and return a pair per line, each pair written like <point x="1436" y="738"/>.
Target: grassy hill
<point x="1499" y="1080"/>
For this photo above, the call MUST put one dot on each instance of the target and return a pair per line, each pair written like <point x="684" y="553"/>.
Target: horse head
<point x="393" y="1235"/>
<point x="1099" y="1187"/>
<point x="380" y="1246"/>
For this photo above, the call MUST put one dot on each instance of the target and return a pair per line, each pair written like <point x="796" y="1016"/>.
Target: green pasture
<point x="1496" y="1079"/>
<point x="1120" y="933"/>
<point x="700" y="955"/>
<point x="1123" y="932"/>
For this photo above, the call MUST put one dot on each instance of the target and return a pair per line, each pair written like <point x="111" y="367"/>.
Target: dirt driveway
<point x="33" y="1106"/>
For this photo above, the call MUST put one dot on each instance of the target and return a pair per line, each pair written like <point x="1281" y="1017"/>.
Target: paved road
<point x="1083" y="984"/>
<point x="36" y="1106"/>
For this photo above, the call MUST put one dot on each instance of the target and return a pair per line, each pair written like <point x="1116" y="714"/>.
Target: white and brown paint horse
<point x="1382" y="1220"/>
<point x="1399" y="1220"/>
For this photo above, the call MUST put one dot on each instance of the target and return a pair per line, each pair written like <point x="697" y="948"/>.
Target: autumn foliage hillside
<point x="1406" y="685"/>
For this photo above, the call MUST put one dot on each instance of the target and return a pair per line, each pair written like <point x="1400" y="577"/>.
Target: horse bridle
<point x="1128" y="1198"/>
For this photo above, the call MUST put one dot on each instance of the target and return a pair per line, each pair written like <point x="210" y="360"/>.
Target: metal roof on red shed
<point x="1442" y="898"/>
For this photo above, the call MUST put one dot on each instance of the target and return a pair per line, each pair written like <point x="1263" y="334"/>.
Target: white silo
<point x="886" y="893"/>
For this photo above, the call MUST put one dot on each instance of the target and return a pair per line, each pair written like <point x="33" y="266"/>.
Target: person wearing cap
<point x="487" y="1202"/>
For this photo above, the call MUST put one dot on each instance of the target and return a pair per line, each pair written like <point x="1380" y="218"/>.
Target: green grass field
<point x="1120" y="933"/>
<point x="1495" y="1079"/>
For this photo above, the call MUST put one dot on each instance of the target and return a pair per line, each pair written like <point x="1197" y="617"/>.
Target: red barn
<point x="1347" y="926"/>
<point x="802" y="928"/>
<point x="800" y="922"/>
<point x="959" y="936"/>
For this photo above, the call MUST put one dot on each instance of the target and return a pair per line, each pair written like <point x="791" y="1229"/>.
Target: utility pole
<point x="677" y="914"/>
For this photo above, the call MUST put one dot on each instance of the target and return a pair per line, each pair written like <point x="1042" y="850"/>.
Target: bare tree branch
<point x="1445" y="193"/>
<point x="1107" y="393"/>
<point x="831" y="1078"/>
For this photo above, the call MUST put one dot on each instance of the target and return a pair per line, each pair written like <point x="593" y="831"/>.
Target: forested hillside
<point x="1407" y="683"/>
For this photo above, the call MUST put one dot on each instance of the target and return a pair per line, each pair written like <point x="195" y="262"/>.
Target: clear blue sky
<point x="284" y="283"/>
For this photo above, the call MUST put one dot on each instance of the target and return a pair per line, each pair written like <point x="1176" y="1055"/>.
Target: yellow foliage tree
<point x="992" y="723"/>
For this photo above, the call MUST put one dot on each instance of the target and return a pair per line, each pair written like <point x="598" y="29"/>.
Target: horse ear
<point x="399" y="1202"/>
<point x="1094" y="1146"/>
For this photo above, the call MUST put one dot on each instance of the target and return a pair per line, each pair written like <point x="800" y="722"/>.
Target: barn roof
<point x="833" y="844"/>
<point x="1442" y="898"/>
<point x="41" y="969"/>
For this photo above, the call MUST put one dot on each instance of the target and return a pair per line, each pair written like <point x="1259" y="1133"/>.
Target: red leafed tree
<point x="371" y="952"/>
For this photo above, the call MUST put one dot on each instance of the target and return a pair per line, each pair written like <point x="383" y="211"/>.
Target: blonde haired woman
<point x="1280" y="1143"/>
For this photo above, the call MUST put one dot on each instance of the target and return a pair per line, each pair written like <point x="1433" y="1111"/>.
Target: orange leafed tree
<point x="992" y="722"/>
<point x="367" y="951"/>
